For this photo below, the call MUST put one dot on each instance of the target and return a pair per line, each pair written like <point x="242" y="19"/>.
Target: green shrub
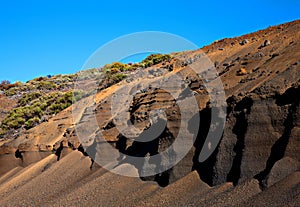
<point x="2" y="133"/>
<point x="20" y="120"/>
<point x="37" y="111"/>
<point x="77" y="95"/>
<point x="10" y="92"/>
<point x="118" y="77"/>
<point x="46" y="85"/>
<point x="27" y="98"/>
<point x="13" y="124"/>
<point x="155" y="59"/>
<point x="114" y="70"/>
<point x="117" y="66"/>
<point x="134" y="66"/>
<point x="35" y="105"/>
<point x="32" y="122"/>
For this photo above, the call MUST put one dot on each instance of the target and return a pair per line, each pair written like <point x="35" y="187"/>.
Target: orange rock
<point x="242" y="71"/>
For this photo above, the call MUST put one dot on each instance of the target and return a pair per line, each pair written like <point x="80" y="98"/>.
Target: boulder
<point x="266" y="43"/>
<point x="243" y="42"/>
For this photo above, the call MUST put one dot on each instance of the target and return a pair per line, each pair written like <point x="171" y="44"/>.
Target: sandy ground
<point x="70" y="182"/>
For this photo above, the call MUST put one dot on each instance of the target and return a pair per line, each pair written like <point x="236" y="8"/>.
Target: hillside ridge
<point x="257" y="156"/>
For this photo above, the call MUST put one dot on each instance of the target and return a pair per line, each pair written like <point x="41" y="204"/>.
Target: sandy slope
<point x="46" y="182"/>
<point x="108" y="190"/>
<point x="189" y="186"/>
<point x="24" y="176"/>
<point x="285" y="192"/>
<point x="70" y="182"/>
<point x="10" y="174"/>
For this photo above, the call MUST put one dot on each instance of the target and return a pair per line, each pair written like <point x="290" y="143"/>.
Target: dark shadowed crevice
<point x="279" y="147"/>
<point x="59" y="151"/>
<point x="47" y="167"/>
<point x="151" y="148"/>
<point x="290" y="96"/>
<point x="109" y="125"/>
<point x="241" y="111"/>
<point x="205" y="169"/>
<point x="82" y="150"/>
<point x="18" y="154"/>
<point x="90" y="152"/>
<point x="240" y="130"/>
<point x="163" y="179"/>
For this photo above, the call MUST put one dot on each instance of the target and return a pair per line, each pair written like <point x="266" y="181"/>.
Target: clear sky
<point x="38" y="38"/>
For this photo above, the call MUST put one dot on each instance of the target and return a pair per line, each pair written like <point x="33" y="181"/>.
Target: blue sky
<point x="38" y="38"/>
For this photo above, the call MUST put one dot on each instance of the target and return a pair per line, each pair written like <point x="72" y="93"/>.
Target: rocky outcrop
<point x="256" y="136"/>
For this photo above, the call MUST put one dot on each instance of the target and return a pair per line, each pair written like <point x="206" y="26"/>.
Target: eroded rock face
<point x="262" y="123"/>
<point x="259" y="131"/>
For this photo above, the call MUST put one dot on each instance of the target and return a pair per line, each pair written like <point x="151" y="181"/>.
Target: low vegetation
<point x="155" y="59"/>
<point x="35" y="107"/>
<point x="116" y="72"/>
<point x="47" y="83"/>
<point x="42" y="97"/>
